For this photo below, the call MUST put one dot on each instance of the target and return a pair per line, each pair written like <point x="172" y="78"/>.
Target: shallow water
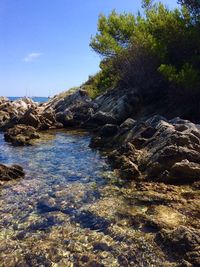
<point x="69" y="209"/>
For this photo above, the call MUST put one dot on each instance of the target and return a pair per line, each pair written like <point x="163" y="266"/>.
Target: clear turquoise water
<point x="68" y="210"/>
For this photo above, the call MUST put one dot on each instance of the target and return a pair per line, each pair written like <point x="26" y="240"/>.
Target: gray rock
<point x="109" y="130"/>
<point x="21" y="135"/>
<point x="128" y="123"/>
<point x="30" y="118"/>
<point x="71" y="108"/>
<point x="185" y="168"/>
<point x="102" y="118"/>
<point x="11" y="172"/>
<point x="120" y="103"/>
<point x="163" y="151"/>
<point x="66" y="118"/>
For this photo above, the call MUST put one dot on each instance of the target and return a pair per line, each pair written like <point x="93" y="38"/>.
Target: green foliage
<point x="100" y="82"/>
<point x="147" y="4"/>
<point x="165" y="33"/>
<point x="186" y="77"/>
<point x="193" y="6"/>
<point x="169" y="72"/>
<point x="114" y="34"/>
<point x="154" y="54"/>
<point x="68" y="92"/>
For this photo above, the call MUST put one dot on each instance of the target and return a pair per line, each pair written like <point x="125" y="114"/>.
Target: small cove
<point x="69" y="210"/>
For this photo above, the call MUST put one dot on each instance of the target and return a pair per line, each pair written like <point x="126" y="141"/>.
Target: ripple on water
<point x="66" y="210"/>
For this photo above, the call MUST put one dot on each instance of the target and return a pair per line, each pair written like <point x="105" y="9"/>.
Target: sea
<point x="35" y="99"/>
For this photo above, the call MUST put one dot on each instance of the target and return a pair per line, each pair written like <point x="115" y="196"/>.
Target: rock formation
<point x="154" y="149"/>
<point x="185" y="243"/>
<point x="72" y="108"/>
<point x="21" y="135"/>
<point x="10" y="173"/>
<point x="27" y="112"/>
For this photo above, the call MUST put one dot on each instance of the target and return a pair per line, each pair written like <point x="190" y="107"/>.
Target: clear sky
<point x="44" y="44"/>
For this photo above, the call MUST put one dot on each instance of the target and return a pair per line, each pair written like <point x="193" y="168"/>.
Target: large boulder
<point x="128" y="124"/>
<point x="185" y="168"/>
<point x="21" y="135"/>
<point x="8" y="173"/>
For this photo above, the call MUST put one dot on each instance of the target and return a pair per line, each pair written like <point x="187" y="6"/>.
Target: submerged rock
<point x="21" y="135"/>
<point x="185" y="243"/>
<point x="10" y="173"/>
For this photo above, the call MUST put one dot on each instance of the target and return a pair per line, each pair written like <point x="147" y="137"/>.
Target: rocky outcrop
<point x="21" y="135"/>
<point x="10" y="173"/>
<point x="27" y="112"/>
<point x="75" y="108"/>
<point x="154" y="149"/>
<point x="40" y="119"/>
<point x="119" y="104"/>
<point x="109" y="130"/>
<point x="185" y="243"/>
<point x="11" y="111"/>
<point x="100" y="118"/>
<point x="72" y="108"/>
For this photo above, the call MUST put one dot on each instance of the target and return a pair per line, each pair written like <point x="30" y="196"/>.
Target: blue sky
<point x="44" y="44"/>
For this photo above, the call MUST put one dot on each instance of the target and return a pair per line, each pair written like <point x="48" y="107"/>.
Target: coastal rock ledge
<point x="155" y="149"/>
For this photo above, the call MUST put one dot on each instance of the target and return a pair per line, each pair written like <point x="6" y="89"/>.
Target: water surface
<point x="69" y="209"/>
<point x="35" y="99"/>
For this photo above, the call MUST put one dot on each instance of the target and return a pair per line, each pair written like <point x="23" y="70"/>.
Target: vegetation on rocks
<point x="157" y="55"/>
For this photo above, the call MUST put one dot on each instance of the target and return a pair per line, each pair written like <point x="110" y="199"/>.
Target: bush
<point x="100" y="82"/>
<point x="156" y="55"/>
<point x="137" y="69"/>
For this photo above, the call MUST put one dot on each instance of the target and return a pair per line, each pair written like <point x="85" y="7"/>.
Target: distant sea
<point x="36" y="99"/>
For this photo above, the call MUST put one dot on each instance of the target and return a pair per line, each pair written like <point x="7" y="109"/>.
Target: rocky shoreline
<point x="158" y="157"/>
